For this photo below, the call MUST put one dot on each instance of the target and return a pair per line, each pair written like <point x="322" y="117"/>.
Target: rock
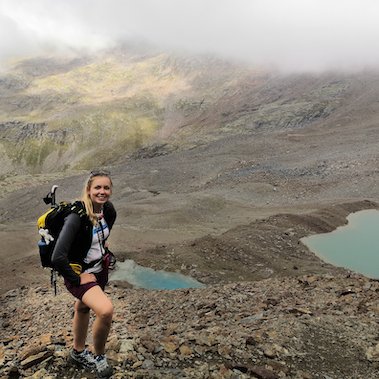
<point x="45" y="339"/>
<point x="35" y="359"/>
<point x="12" y="293"/>
<point x="270" y="352"/>
<point x="263" y="373"/>
<point x="126" y="346"/>
<point x="170" y="343"/>
<point x="149" y="344"/>
<point x="304" y="375"/>
<point x="147" y="364"/>
<point x="137" y="364"/>
<point x="32" y="350"/>
<point x="2" y="355"/>
<point x="372" y="353"/>
<point x="185" y="350"/>
<point x="113" y="343"/>
<point x="169" y="346"/>
<point x="206" y="339"/>
<point x="40" y="374"/>
<point x="225" y="351"/>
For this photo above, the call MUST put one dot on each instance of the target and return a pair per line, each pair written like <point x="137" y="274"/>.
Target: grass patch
<point x="110" y="80"/>
<point x="32" y="152"/>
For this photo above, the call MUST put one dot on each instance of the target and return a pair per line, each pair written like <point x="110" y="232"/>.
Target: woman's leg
<point x="99" y="302"/>
<point x="80" y="325"/>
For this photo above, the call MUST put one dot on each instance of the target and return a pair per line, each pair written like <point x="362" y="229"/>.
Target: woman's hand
<point x="86" y="277"/>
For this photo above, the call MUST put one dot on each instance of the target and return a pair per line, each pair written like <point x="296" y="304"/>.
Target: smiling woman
<point x="79" y="257"/>
<point x="99" y="189"/>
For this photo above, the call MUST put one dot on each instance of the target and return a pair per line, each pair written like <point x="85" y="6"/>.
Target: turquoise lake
<point x="354" y="246"/>
<point x="145" y="277"/>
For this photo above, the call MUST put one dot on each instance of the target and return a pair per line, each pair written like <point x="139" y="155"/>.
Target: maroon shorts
<point x="79" y="291"/>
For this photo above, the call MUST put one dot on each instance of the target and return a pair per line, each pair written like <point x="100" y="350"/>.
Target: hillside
<point x="256" y="145"/>
<point x="62" y="114"/>
<point x="219" y="170"/>
<point x="73" y="113"/>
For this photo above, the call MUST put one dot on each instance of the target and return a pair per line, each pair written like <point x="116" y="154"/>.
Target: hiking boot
<point x="85" y="359"/>
<point x="103" y="369"/>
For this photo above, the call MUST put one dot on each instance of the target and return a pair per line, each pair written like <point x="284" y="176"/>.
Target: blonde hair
<point x="85" y="195"/>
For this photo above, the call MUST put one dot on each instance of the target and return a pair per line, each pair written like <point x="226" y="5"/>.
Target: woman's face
<point x="100" y="191"/>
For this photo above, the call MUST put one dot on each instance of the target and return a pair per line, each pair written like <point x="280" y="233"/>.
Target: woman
<point x="77" y="256"/>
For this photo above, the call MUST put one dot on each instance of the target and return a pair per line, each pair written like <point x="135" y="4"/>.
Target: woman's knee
<point x="99" y="302"/>
<point x="81" y="307"/>
<point x="105" y="313"/>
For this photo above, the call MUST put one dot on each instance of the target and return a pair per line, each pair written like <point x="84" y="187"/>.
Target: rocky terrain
<point x="271" y="309"/>
<point x="219" y="171"/>
<point x="312" y="326"/>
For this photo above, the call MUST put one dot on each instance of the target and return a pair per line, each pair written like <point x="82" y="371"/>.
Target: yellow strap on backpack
<point x="42" y="219"/>
<point x="76" y="267"/>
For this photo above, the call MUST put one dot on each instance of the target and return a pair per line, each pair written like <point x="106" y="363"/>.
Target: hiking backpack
<point x="50" y="225"/>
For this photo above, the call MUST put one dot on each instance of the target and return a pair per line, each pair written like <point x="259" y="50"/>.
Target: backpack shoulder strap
<point x="78" y="208"/>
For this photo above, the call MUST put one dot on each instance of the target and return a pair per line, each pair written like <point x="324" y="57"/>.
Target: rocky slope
<point x="271" y="309"/>
<point x="307" y="327"/>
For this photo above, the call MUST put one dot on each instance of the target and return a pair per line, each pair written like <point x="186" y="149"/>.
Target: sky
<point x="291" y="35"/>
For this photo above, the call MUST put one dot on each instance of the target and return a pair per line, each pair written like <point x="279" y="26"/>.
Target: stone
<point x="185" y="350"/>
<point x="137" y="364"/>
<point x="41" y="374"/>
<point x="2" y="355"/>
<point x="263" y="373"/>
<point x="270" y="352"/>
<point x="45" y="339"/>
<point x="372" y="353"/>
<point x="113" y="343"/>
<point x="169" y="346"/>
<point x="148" y="344"/>
<point x="31" y="350"/>
<point x="35" y="359"/>
<point x="147" y="364"/>
<point x="126" y="346"/>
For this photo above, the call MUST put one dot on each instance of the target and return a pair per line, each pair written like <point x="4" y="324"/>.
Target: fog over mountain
<point x="291" y="35"/>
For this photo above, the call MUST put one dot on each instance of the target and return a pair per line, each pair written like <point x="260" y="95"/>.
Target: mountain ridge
<point x="124" y="103"/>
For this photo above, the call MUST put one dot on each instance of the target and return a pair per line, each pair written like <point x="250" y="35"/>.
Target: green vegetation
<point x="106" y="139"/>
<point x="110" y="80"/>
<point x="103" y="109"/>
<point x="32" y="153"/>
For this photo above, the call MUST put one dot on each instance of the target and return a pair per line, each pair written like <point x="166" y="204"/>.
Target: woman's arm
<point x="62" y="248"/>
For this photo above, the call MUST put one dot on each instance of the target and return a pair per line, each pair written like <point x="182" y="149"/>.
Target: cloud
<point x="287" y="34"/>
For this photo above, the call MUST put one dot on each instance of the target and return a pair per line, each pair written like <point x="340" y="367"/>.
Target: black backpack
<point x="50" y="225"/>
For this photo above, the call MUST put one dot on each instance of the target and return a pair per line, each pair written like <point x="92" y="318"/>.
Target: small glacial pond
<point x="354" y="246"/>
<point x="145" y="277"/>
